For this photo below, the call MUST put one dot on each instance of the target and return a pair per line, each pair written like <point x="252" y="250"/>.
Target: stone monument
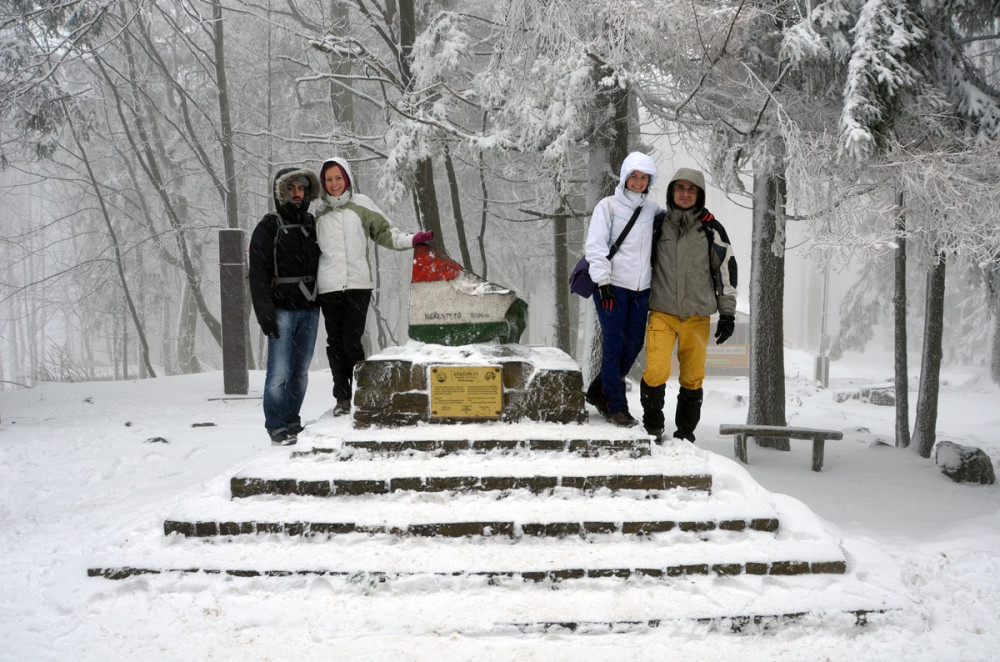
<point x="463" y="363"/>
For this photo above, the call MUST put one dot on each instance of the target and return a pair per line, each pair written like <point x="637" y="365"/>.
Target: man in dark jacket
<point x="284" y="256"/>
<point x="694" y="276"/>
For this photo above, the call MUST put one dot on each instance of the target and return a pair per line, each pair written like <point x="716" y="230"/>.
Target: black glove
<point x="724" y="328"/>
<point x="606" y="293"/>
<point x="269" y="327"/>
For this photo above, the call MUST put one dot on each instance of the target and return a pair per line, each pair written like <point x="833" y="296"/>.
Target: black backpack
<point x="307" y="284"/>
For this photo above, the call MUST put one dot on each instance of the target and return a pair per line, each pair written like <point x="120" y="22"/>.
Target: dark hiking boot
<point x="595" y="396"/>
<point x="282" y="437"/>
<point x="688" y="413"/>
<point x="623" y="419"/>
<point x="295" y="428"/>
<point x="651" y="398"/>
<point x="342" y="407"/>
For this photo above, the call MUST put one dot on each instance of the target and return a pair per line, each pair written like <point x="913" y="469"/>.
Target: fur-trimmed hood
<point x="284" y="177"/>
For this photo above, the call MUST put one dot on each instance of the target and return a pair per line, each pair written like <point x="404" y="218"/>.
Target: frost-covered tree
<point x="405" y="71"/>
<point x="553" y="95"/>
<point x="148" y="110"/>
<point x="914" y="109"/>
<point x="566" y="84"/>
<point x="37" y="37"/>
<point x="387" y="63"/>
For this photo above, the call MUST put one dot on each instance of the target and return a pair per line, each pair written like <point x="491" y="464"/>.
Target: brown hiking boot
<point x="623" y="419"/>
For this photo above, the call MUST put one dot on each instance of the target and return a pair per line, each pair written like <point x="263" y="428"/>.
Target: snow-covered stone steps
<point x="738" y="504"/>
<point x="693" y="605"/>
<point x="327" y="432"/>
<point x="328" y="474"/>
<point x="807" y="550"/>
<point x="246" y="486"/>
<point x="508" y="529"/>
<point x="587" y="447"/>
<point x="776" y="568"/>
<point x="735" y="624"/>
<point x="564" y="535"/>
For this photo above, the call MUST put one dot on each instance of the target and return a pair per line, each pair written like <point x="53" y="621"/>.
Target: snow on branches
<point x="888" y="37"/>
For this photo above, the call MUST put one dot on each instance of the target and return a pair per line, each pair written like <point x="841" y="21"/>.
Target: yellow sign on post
<point x="466" y="392"/>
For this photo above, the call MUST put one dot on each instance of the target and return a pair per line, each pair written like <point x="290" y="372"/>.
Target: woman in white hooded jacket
<point x="622" y="296"/>
<point x="345" y="221"/>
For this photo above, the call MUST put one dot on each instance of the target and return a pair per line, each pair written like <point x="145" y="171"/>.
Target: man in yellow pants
<point x="694" y="276"/>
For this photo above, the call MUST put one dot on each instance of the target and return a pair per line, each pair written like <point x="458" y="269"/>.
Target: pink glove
<point x="423" y="237"/>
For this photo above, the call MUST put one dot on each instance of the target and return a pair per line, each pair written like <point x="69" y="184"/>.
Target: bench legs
<point x="740" y="450"/>
<point x="818" y="445"/>
<point x="740" y="447"/>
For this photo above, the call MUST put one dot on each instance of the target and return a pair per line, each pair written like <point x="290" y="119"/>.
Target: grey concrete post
<point x="231" y="274"/>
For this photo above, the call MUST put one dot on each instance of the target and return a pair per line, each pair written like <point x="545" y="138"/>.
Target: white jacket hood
<point x="636" y="161"/>
<point x="631" y="267"/>
<point x="336" y="201"/>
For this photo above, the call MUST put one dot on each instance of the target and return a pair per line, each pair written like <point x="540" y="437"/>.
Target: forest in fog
<point x="862" y="134"/>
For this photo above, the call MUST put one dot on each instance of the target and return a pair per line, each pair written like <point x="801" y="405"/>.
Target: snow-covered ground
<point x="86" y="469"/>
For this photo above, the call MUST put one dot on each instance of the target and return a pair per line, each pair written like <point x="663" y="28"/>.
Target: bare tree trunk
<point x="119" y="259"/>
<point x="993" y="292"/>
<point x="225" y="121"/>
<point x="180" y="99"/>
<point x="767" y="287"/>
<point x="124" y="326"/>
<point x="341" y="99"/>
<point x="187" y="321"/>
<point x="141" y="305"/>
<point x="166" y="339"/>
<point x="900" y="350"/>
<point x="559" y="236"/>
<point x="426" y="195"/>
<point x="483" y="214"/>
<point x="3" y="371"/>
<point x="427" y="203"/>
<point x="456" y="209"/>
<point x="381" y="328"/>
<point x="995" y="347"/>
<point x="930" y="364"/>
<point x="19" y="336"/>
<point x="995" y="354"/>
<point x="610" y="147"/>
<point x="147" y="160"/>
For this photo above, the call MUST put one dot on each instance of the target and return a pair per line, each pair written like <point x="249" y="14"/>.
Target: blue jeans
<point x="288" y="359"/>
<point x="623" y="329"/>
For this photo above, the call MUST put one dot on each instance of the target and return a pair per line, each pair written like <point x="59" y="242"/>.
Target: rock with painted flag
<point x="451" y="306"/>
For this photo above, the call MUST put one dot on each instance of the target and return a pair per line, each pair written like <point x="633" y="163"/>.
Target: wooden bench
<point x="818" y="437"/>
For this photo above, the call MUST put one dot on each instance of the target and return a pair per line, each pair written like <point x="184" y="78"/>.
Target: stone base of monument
<point x="468" y="384"/>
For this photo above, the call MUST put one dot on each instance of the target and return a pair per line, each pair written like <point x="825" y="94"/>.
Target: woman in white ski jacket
<point x="622" y="296"/>
<point x="345" y="221"/>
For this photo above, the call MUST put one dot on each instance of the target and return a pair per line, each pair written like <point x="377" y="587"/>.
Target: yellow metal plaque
<point x="466" y="392"/>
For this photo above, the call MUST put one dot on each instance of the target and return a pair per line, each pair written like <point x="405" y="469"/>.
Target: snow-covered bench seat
<point x="741" y="433"/>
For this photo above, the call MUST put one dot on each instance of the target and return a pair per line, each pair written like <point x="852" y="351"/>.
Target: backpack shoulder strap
<point x="307" y="284"/>
<point x="621" y="237"/>
<point x="706" y="224"/>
